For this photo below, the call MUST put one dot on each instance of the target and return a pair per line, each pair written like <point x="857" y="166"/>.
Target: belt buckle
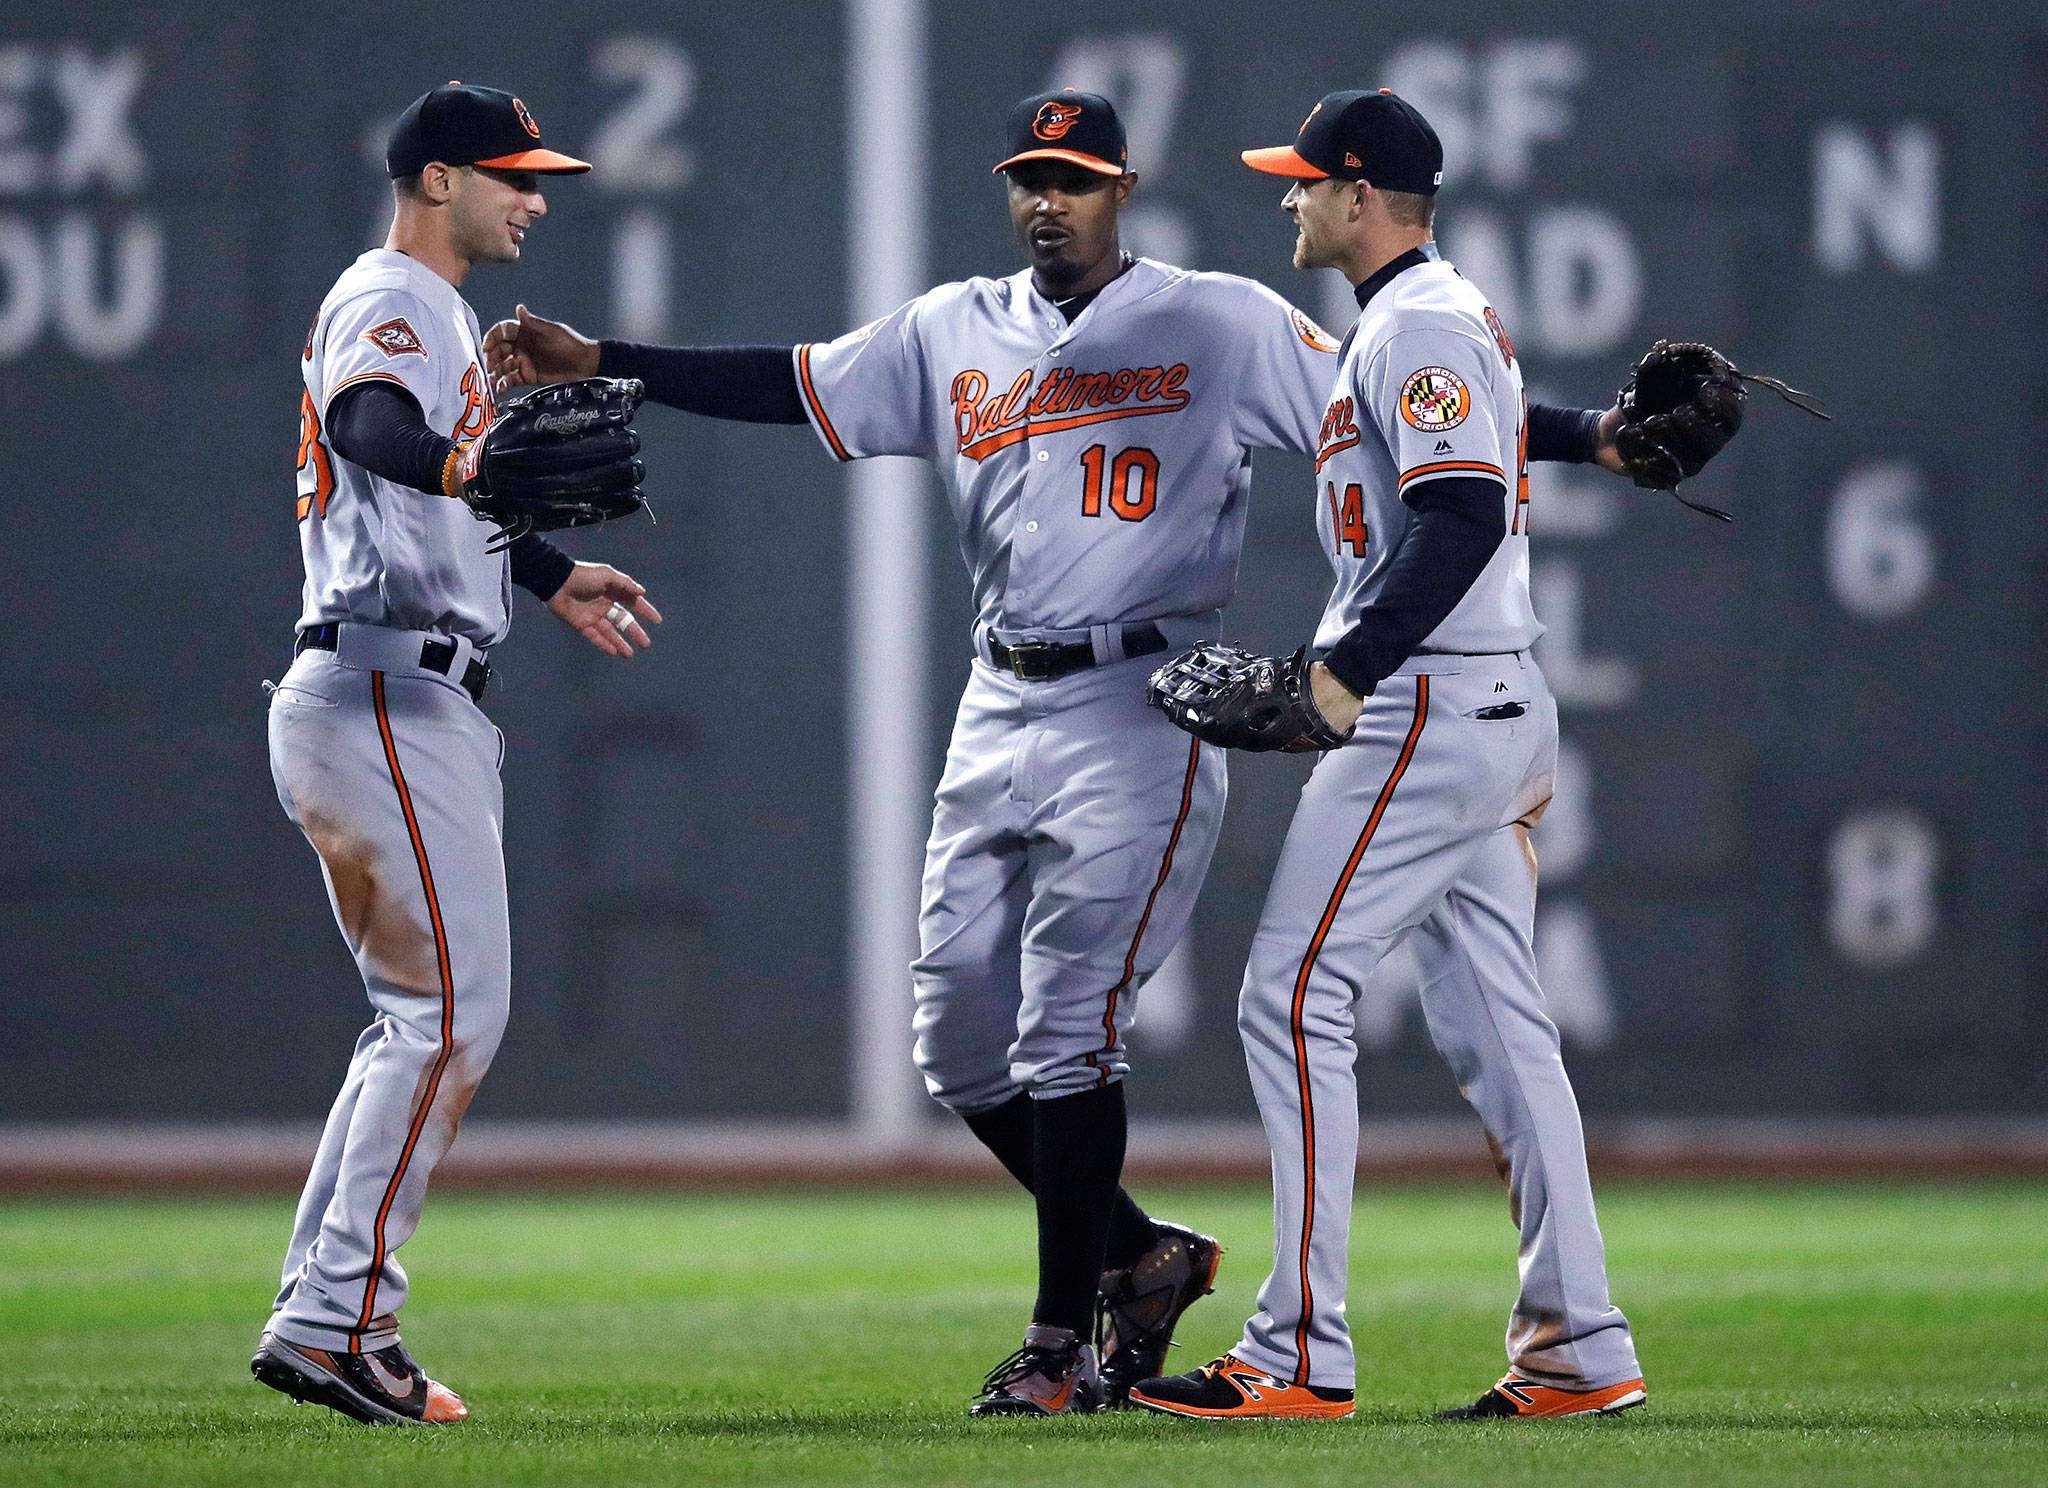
<point x="1034" y="661"/>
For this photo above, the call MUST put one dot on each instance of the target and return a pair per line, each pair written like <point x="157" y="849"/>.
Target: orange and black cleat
<point x="1228" y="1389"/>
<point x="385" y="1388"/>
<point x="1515" y="1397"/>
<point x="1054" y="1374"/>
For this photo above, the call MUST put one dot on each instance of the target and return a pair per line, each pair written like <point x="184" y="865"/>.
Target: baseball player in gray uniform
<point x="1417" y="826"/>
<point x="378" y="748"/>
<point x="1093" y="417"/>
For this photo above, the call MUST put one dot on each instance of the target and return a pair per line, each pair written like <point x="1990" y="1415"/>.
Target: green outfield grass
<point x="1791" y="1335"/>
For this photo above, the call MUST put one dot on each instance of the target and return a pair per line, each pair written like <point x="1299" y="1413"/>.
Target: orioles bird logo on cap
<point x="526" y="118"/>
<point x="1055" y="119"/>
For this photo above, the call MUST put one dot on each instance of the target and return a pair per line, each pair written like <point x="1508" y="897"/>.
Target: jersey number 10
<point x="1133" y="483"/>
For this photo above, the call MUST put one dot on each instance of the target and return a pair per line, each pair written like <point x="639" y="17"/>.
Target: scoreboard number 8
<point x="1882" y="866"/>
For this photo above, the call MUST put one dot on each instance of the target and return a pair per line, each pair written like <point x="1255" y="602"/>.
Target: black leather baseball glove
<point x="1679" y="408"/>
<point x="1225" y="695"/>
<point x="563" y="454"/>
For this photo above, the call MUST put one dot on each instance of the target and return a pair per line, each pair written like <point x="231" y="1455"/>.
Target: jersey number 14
<point x="1347" y="517"/>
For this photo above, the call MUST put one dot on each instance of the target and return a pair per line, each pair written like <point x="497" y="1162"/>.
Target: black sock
<point x="1077" y="1156"/>
<point x="1006" y="1130"/>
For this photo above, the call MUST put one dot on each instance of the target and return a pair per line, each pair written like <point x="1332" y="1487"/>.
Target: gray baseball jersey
<point x="1418" y="826"/>
<point x="1098" y="472"/>
<point x="390" y="769"/>
<point x="379" y="553"/>
<point x="1428" y="389"/>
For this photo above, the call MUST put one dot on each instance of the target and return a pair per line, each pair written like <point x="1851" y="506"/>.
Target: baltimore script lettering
<point x="986" y="422"/>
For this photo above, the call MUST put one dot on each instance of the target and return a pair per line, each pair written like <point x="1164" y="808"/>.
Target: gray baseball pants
<point x="1419" y="827"/>
<point x="1072" y="830"/>
<point x="392" y="774"/>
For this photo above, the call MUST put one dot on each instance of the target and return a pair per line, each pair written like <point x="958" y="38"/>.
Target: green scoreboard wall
<point x="1793" y="864"/>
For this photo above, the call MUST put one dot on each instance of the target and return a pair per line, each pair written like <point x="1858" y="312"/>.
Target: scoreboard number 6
<point x="1882" y="868"/>
<point x="1880" y="556"/>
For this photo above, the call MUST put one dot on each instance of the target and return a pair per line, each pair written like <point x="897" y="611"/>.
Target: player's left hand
<point x="607" y="607"/>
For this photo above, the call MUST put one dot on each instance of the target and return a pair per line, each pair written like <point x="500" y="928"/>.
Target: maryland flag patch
<point x="395" y="338"/>
<point x="1434" y="399"/>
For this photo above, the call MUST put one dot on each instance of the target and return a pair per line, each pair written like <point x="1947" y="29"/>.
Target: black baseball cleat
<point x="382" y="1389"/>
<point x="1054" y="1374"/>
<point x="1517" y="1398"/>
<point x="1140" y="1305"/>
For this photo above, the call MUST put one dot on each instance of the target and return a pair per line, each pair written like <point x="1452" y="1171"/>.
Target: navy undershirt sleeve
<point x="1459" y="522"/>
<point x="538" y="566"/>
<point x="1568" y="434"/>
<point x="755" y="384"/>
<point x="378" y="425"/>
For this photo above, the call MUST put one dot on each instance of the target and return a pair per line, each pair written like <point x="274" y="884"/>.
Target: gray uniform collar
<point x="1137" y="279"/>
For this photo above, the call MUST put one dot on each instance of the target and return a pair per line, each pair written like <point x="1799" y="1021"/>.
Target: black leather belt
<point x="435" y="656"/>
<point x="1047" y="661"/>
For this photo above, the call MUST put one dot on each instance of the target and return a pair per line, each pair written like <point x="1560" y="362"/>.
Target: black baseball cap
<point x="464" y="124"/>
<point x="1079" y="128"/>
<point x="1360" y="135"/>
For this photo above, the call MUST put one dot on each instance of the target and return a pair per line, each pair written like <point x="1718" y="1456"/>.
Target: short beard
<point x="1304" y="256"/>
<point x="1060" y="273"/>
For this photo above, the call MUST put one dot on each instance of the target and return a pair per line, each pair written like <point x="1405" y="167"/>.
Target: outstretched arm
<point x="754" y="384"/>
<point x="1577" y="436"/>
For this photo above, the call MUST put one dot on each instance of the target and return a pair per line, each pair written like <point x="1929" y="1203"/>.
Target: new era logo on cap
<point x="1079" y="128"/>
<point x="1360" y="135"/>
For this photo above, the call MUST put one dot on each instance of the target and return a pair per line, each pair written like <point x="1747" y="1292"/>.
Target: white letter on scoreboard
<point x="1892" y="197"/>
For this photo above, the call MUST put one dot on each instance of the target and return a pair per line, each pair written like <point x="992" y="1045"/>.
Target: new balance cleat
<point x="1229" y="1389"/>
<point x="382" y="1389"/>
<point x="1141" y="1305"/>
<point x="1054" y="1374"/>
<point x="1515" y="1397"/>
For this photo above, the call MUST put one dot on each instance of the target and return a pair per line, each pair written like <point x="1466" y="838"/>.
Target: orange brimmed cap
<point x="1357" y="135"/>
<point x="1079" y="128"/>
<point x="464" y="124"/>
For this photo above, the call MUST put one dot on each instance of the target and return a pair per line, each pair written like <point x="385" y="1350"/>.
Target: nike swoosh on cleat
<point x="390" y="1382"/>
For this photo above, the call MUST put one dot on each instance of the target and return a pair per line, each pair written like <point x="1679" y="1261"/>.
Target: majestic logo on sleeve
<point x="395" y="338"/>
<point x="1055" y="119"/>
<point x="1434" y="399"/>
<point x="1340" y="430"/>
<point x="526" y="118"/>
<point x="1312" y="333"/>
<point x="986" y="422"/>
